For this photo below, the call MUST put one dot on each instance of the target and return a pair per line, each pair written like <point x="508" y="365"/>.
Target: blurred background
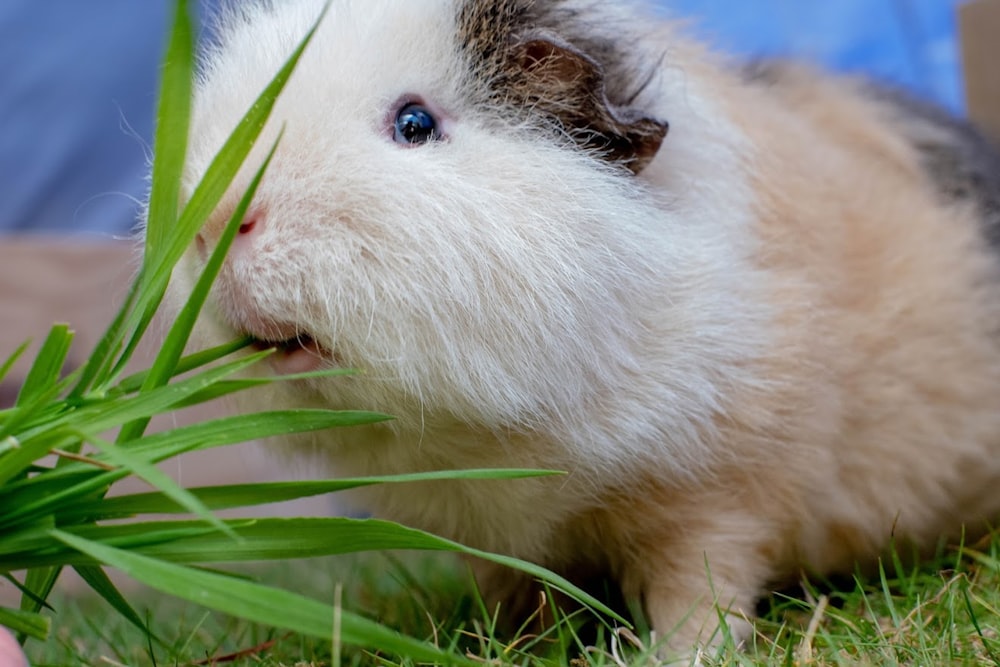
<point x="78" y="82"/>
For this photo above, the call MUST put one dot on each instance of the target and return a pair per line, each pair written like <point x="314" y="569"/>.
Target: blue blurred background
<point x="78" y="84"/>
<point x="910" y="42"/>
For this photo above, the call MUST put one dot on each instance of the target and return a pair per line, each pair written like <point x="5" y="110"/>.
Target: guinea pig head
<point x="452" y="209"/>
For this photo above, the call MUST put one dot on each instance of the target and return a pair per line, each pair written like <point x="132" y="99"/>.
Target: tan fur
<point x="775" y="349"/>
<point x="889" y="421"/>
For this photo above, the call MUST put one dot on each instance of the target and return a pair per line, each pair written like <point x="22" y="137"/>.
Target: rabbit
<point x="751" y="310"/>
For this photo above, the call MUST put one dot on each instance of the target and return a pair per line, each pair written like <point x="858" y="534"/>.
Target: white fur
<point x="488" y="281"/>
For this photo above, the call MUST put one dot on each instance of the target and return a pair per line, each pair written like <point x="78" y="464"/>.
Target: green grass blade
<point x="48" y="365"/>
<point x="110" y="414"/>
<point x="886" y="591"/>
<point x="173" y="118"/>
<point x="248" y="495"/>
<point x="156" y="401"/>
<point x="9" y="444"/>
<point x="26" y="623"/>
<point x="240" y="428"/>
<point x="259" y="603"/>
<point x="165" y="444"/>
<point x="14" y="461"/>
<point x="23" y="456"/>
<point x="12" y="359"/>
<point x="277" y="539"/>
<point x="224" y="388"/>
<point x="227" y="387"/>
<point x="40" y="581"/>
<point x="173" y="121"/>
<point x="180" y="331"/>
<point x="38" y="548"/>
<point x="974" y="619"/>
<point x="186" y="364"/>
<point x="17" y="516"/>
<point x="98" y="367"/>
<point x="26" y="423"/>
<point x="64" y="488"/>
<point x="290" y="538"/>
<point x="35" y="501"/>
<point x="147" y="471"/>
<point x="98" y="580"/>
<point x="12" y="580"/>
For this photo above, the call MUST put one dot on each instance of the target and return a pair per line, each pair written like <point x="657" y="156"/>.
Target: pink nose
<point x="248" y="224"/>
<point x="210" y="232"/>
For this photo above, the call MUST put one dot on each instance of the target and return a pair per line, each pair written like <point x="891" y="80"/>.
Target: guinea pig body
<point x="753" y="313"/>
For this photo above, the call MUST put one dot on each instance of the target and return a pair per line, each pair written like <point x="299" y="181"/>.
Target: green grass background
<point x="943" y="611"/>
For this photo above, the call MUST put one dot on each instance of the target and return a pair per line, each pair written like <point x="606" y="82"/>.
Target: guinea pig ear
<point x="560" y="81"/>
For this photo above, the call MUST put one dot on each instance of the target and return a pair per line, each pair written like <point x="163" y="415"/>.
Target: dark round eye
<point x="415" y="125"/>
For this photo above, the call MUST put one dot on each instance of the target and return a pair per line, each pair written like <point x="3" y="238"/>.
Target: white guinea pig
<point x="763" y="342"/>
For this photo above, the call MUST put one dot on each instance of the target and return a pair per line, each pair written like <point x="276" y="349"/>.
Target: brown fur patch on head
<point x="539" y="59"/>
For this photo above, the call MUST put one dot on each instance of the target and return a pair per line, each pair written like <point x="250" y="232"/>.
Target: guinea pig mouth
<point x="298" y="354"/>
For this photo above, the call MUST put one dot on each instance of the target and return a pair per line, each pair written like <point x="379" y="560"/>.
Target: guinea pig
<point x="751" y="311"/>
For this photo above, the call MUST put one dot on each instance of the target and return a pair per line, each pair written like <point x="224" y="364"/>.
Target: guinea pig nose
<point x="201" y="246"/>
<point x="248" y="224"/>
<point x="208" y="236"/>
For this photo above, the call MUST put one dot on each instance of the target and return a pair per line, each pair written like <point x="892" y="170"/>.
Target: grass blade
<point x="48" y="365"/>
<point x="105" y="415"/>
<point x="173" y="121"/>
<point x="156" y="401"/>
<point x="64" y="488"/>
<point x="160" y="446"/>
<point x="227" y="387"/>
<point x="12" y="359"/>
<point x="248" y="495"/>
<point x="25" y="623"/>
<point x="25" y="591"/>
<point x="68" y="487"/>
<point x="39" y="581"/>
<point x="98" y="366"/>
<point x="186" y="364"/>
<point x="98" y="580"/>
<point x="145" y="470"/>
<point x="40" y="386"/>
<point x="173" y="118"/>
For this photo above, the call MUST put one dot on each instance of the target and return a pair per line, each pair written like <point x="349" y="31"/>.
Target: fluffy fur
<point x="762" y="342"/>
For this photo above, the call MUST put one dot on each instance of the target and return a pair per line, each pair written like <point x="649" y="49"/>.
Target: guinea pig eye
<point x="415" y="125"/>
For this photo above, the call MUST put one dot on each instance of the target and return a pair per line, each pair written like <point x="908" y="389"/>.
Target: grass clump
<point x="942" y="611"/>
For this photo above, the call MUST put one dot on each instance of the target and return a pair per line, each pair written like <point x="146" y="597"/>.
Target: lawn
<point x="944" y="611"/>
